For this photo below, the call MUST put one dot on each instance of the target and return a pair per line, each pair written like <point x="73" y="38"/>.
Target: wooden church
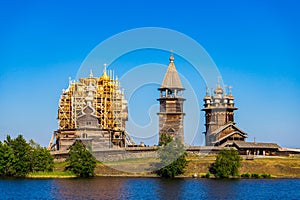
<point x="221" y="129"/>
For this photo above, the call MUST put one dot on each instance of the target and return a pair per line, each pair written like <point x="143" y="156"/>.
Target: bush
<point x="80" y="161"/>
<point x="207" y="175"/>
<point x="227" y="163"/>
<point x="264" y="175"/>
<point x="246" y="175"/>
<point x="255" y="175"/>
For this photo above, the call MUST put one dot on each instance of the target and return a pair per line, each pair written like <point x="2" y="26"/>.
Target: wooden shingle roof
<point x="257" y="145"/>
<point x="171" y="79"/>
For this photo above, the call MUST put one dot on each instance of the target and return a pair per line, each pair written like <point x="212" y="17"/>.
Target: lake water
<point x="148" y="188"/>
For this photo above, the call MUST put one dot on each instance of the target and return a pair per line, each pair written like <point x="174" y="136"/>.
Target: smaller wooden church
<point x="222" y="131"/>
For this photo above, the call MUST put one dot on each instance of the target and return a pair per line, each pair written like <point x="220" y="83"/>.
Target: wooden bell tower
<point x="171" y="104"/>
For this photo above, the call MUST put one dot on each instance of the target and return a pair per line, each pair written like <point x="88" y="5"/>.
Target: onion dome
<point x="219" y="90"/>
<point x="207" y="96"/>
<point x="104" y="75"/>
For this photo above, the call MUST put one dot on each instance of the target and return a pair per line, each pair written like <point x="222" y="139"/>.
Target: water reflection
<point x="145" y="188"/>
<point x="148" y="188"/>
<point x="171" y="188"/>
<point x="198" y="189"/>
<point x="220" y="189"/>
<point x="91" y="188"/>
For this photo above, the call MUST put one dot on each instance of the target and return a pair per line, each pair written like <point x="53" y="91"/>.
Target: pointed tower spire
<point x="171" y="79"/>
<point x="91" y="73"/>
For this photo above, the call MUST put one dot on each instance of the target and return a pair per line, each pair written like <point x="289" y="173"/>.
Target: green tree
<point x="2" y="160"/>
<point x="17" y="157"/>
<point x="173" y="157"/>
<point x="227" y="163"/>
<point x="80" y="161"/>
<point x="165" y="139"/>
<point x="7" y="160"/>
<point x="40" y="158"/>
<point x="21" y="151"/>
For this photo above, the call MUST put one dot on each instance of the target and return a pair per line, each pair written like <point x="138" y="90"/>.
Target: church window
<point x="171" y="130"/>
<point x="84" y="135"/>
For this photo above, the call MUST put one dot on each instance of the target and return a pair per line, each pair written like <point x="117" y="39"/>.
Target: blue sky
<point x="255" y="45"/>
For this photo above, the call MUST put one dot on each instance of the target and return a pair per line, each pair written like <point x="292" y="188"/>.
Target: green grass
<point x="58" y="172"/>
<point x="54" y="174"/>
<point x="133" y="160"/>
<point x="59" y="166"/>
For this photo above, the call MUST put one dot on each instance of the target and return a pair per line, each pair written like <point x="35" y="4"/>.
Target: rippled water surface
<point x="148" y="188"/>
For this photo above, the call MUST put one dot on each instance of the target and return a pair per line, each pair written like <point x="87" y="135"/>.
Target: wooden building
<point x="256" y="148"/>
<point x="221" y="129"/>
<point x="171" y="104"/>
<point x="93" y="110"/>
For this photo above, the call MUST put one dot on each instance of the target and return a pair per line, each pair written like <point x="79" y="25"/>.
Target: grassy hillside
<point x="279" y="167"/>
<point x="276" y="166"/>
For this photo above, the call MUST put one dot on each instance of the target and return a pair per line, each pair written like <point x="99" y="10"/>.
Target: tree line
<point x="19" y="157"/>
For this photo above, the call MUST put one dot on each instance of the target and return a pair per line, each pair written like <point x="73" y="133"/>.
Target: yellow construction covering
<point x="107" y="99"/>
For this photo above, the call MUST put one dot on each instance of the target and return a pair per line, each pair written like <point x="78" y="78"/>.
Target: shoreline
<point x="262" y="168"/>
<point x="152" y="176"/>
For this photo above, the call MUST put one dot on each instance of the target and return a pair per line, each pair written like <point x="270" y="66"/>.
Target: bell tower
<point x="171" y="104"/>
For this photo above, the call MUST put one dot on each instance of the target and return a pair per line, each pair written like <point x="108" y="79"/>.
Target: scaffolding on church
<point x="108" y="102"/>
<point x="107" y="99"/>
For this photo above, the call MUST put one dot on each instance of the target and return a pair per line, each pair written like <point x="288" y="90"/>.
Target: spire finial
<point x="207" y="91"/>
<point x="105" y="76"/>
<point x="225" y="89"/>
<point x="219" y="81"/>
<point x="230" y="90"/>
<point x="91" y="73"/>
<point x="104" y="70"/>
<point x="171" y="56"/>
<point x="219" y="90"/>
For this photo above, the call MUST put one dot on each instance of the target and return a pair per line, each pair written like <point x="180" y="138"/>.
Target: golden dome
<point x="104" y="75"/>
